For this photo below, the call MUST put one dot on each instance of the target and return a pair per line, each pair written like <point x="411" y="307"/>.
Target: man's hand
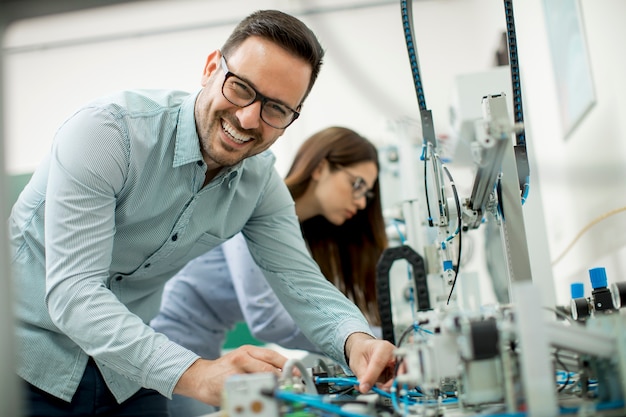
<point x="204" y="380"/>
<point x="370" y="359"/>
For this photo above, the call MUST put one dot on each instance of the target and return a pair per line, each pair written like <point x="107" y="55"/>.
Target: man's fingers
<point x="261" y="360"/>
<point x="374" y="362"/>
<point x="267" y="355"/>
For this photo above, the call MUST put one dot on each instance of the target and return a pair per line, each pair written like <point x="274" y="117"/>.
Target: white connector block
<point x="243" y="396"/>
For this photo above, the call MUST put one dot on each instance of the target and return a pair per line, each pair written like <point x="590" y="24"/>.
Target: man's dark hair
<point x="284" y="30"/>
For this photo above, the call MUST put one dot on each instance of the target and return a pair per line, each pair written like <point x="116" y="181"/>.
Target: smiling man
<point x="137" y="184"/>
<point x="264" y="107"/>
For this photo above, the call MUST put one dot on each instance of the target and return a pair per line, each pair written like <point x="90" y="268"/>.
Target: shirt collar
<point x="187" y="148"/>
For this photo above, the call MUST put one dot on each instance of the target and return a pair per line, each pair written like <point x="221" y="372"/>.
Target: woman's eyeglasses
<point x="359" y="186"/>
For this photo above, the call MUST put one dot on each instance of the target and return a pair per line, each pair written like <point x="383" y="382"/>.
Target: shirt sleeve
<point x="90" y="157"/>
<point x="325" y="316"/>
<point x="265" y="315"/>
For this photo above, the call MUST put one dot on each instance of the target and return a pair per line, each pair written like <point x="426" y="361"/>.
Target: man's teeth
<point x="234" y="134"/>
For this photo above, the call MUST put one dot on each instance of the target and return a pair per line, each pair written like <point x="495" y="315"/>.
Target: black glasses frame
<point x="257" y="97"/>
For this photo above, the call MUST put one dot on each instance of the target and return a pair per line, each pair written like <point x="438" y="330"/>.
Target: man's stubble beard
<point x="209" y="146"/>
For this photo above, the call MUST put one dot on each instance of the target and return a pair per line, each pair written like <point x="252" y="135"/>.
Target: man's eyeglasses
<point x="241" y="94"/>
<point x="359" y="186"/>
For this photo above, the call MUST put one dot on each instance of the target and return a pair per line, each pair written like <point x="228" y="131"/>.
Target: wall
<point x="55" y="64"/>
<point x="581" y="174"/>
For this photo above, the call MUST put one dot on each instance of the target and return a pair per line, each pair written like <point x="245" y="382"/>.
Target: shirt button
<point x="174" y="237"/>
<point x="146" y="266"/>
<point x="118" y="278"/>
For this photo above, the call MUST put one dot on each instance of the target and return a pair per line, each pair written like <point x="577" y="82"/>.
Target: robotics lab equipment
<point x="516" y="357"/>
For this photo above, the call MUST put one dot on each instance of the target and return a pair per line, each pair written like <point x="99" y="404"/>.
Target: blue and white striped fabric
<point x="113" y="213"/>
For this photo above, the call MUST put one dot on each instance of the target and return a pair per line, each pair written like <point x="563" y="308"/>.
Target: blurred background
<point x="572" y="78"/>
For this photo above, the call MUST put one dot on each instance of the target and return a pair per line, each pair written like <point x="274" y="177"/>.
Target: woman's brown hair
<point x="347" y="254"/>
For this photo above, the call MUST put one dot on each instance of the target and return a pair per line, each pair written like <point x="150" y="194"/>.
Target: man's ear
<point x="212" y="65"/>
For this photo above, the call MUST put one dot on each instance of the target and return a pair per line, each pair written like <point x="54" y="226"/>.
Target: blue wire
<point x="394" y="398"/>
<point x="343" y="381"/>
<point x="315" y="402"/>
<point x="405" y="400"/>
<point x="417" y="328"/>
<point x="526" y="190"/>
<point x="402" y="238"/>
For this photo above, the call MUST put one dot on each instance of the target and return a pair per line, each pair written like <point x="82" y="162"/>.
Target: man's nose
<point x="250" y="116"/>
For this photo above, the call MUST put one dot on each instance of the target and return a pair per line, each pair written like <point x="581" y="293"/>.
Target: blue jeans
<point x="93" y="398"/>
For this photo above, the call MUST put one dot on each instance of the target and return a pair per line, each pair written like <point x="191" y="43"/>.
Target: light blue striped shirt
<point x="113" y="213"/>
<point x="197" y="315"/>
